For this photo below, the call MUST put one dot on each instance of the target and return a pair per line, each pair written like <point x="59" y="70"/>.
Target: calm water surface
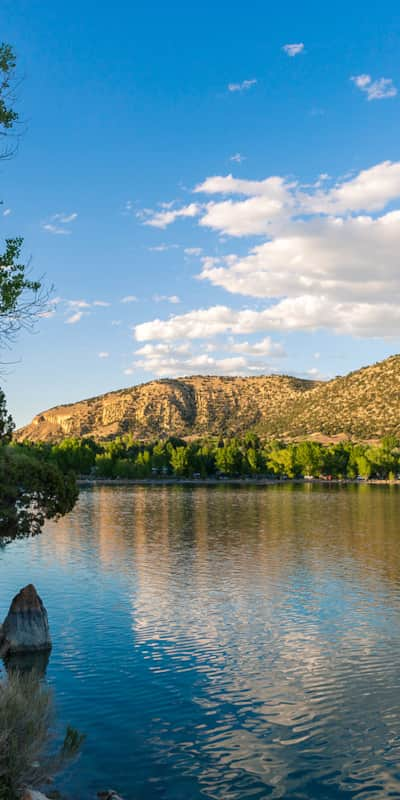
<point x="225" y="643"/>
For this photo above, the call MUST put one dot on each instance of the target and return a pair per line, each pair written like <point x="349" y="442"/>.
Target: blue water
<point x="225" y="643"/>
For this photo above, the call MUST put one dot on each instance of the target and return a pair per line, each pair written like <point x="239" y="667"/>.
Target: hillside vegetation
<point x="363" y="405"/>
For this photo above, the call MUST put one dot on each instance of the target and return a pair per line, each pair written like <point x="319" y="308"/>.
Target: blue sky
<point x="134" y="117"/>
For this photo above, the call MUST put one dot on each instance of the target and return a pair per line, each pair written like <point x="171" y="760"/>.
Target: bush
<point x="26" y="718"/>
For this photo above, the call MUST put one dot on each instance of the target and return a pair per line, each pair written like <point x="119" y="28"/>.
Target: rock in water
<point x="26" y="627"/>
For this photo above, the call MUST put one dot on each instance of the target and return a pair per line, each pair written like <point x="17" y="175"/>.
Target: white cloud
<point x="55" y="229"/>
<point x="274" y="187"/>
<point x="166" y="298"/>
<point x="355" y="257"/>
<point x="238" y="158"/>
<point x="252" y="216"/>
<point x="264" y="347"/>
<point x="129" y="298"/>
<point x="161" y="248"/>
<point x="303" y="313"/>
<point x="73" y="310"/>
<point x="293" y="49"/>
<point x="65" y="218"/>
<point x="193" y="251"/>
<point x="328" y="258"/>
<point x="243" y="86"/>
<point x="74" y="318"/>
<point x="77" y="303"/>
<point x="275" y="199"/>
<point x="379" y="89"/>
<point x="160" y="219"/>
<point x="6" y="212"/>
<point x="103" y="354"/>
<point x="174" y="360"/>
<point x="57" y="222"/>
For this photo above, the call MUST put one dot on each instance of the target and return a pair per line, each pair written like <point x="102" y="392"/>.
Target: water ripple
<point x="225" y="644"/>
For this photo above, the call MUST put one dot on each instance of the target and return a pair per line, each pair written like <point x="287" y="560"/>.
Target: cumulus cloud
<point x="275" y="200"/>
<point x="292" y="50"/>
<point x="379" y="89"/>
<point x="173" y="360"/>
<point x="160" y="219"/>
<point x="303" y="313"/>
<point x="264" y="347"/>
<point x="328" y="256"/>
<point x="129" y="298"/>
<point x="355" y="257"/>
<point x="243" y="86"/>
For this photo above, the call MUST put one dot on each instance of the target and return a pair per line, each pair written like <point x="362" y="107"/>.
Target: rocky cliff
<point x="364" y="404"/>
<point x="194" y="406"/>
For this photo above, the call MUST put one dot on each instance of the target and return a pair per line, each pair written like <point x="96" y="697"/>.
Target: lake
<point x="224" y="643"/>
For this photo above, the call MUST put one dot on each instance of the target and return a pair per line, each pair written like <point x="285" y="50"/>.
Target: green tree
<point x="6" y="421"/>
<point x="309" y="457"/>
<point x="76" y="455"/>
<point x="31" y="491"/>
<point x="228" y="459"/>
<point x="181" y="461"/>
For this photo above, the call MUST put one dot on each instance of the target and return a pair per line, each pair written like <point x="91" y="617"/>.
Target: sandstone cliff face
<point x="194" y="406"/>
<point x="364" y="404"/>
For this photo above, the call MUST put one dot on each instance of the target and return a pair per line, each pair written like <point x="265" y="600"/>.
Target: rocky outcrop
<point x="26" y="627"/>
<point x="194" y="406"/>
<point x="363" y="404"/>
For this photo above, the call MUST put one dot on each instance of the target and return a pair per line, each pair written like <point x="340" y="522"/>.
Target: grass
<point x="26" y="735"/>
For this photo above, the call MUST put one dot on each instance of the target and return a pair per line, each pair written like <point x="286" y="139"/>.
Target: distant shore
<point x="174" y="481"/>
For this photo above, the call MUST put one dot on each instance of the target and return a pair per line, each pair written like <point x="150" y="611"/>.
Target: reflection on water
<point x="225" y="643"/>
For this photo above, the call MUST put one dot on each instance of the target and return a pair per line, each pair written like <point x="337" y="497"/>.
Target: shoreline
<point x="173" y="481"/>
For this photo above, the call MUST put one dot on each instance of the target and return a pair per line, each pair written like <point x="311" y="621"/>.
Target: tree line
<point x="250" y="456"/>
<point x="31" y="489"/>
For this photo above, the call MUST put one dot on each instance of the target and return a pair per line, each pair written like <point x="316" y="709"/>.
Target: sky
<point x="207" y="189"/>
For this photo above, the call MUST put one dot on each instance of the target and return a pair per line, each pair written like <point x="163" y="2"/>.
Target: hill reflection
<point x="244" y="642"/>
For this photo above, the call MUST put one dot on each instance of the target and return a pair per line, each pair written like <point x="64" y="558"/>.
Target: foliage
<point x="21" y="299"/>
<point x="6" y="421"/>
<point x="8" y="115"/>
<point x="31" y="491"/>
<point x="26" y="719"/>
<point x="250" y="456"/>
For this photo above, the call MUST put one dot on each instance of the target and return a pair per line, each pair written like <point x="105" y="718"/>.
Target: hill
<point x="194" y="406"/>
<point x="364" y="404"/>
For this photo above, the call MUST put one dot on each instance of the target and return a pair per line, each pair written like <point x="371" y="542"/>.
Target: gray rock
<point x="26" y="627"/>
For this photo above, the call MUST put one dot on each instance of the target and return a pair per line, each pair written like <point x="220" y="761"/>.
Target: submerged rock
<point x="26" y="627"/>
